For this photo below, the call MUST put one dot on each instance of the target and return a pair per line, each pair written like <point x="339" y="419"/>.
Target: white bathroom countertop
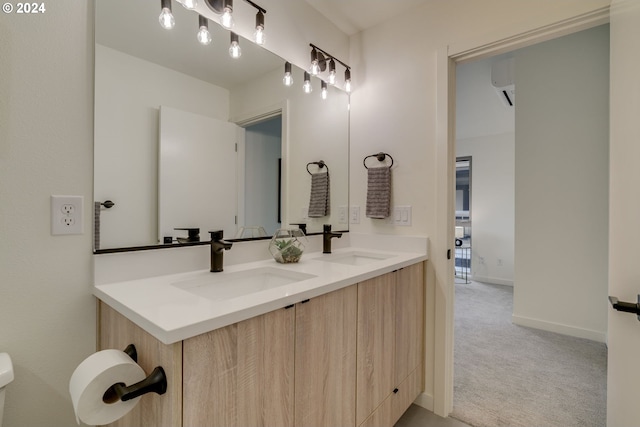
<point x="171" y="313"/>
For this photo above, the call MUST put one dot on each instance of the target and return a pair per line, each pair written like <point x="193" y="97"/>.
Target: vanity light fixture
<point x="288" y="78"/>
<point x="167" y="21"/>
<point x="189" y="4"/>
<point x="234" y="49"/>
<point x="226" y="20"/>
<point x="204" y="36"/>
<point x="319" y="59"/>
<point x="307" y="83"/>
<point x="323" y="85"/>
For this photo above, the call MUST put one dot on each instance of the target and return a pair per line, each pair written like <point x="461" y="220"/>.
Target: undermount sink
<point x="219" y="286"/>
<point x="354" y="258"/>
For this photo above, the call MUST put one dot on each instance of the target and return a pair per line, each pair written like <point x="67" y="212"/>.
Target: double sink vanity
<point x="335" y="339"/>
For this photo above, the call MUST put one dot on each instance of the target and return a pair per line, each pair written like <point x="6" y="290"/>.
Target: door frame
<point x="448" y="57"/>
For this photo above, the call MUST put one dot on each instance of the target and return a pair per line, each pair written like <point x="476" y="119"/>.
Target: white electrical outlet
<point x="66" y="215"/>
<point x="355" y="215"/>
<point x="342" y="215"/>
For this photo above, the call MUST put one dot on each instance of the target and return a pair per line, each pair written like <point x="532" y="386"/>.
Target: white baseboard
<point x="425" y="400"/>
<point x="492" y="280"/>
<point x="560" y="328"/>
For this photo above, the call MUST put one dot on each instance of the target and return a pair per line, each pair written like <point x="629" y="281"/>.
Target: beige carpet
<point x="508" y="375"/>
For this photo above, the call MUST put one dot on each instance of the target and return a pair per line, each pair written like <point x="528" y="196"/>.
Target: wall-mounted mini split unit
<point x="502" y="79"/>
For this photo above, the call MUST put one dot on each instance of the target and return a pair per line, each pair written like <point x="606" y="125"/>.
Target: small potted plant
<point x="287" y="245"/>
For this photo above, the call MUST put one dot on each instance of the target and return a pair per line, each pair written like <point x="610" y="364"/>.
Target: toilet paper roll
<point x="93" y="377"/>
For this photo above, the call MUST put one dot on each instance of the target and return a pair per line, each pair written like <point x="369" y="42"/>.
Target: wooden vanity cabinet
<point x="390" y="336"/>
<point x="333" y="360"/>
<point x="244" y="375"/>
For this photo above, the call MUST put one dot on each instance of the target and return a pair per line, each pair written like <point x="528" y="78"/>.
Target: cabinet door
<point x="241" y="375"/>
<point x="376" y="329"/>
<point x="325" y="360"/>
<point x="409" y="320"/>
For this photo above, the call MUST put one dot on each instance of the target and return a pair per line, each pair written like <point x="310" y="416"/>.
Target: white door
<point x="623" y="396"/>
<point x="197" y="183"/>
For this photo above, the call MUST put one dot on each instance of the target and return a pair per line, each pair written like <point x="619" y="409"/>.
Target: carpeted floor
<point x="508" y="375"/>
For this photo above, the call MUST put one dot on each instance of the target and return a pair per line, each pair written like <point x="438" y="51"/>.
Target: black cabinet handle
<point x="627" y="307"/>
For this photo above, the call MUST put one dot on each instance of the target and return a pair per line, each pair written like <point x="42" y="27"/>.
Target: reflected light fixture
<point x="332" y="72"/>
<point x="307" y="83"/>
<point x="234" y="49"/>
<point x="323" y="85"/>
<point x="288" y="78"/>
<point x="166" y="19"/>
<point x="226" y="20"/>
<point x="319" y="59"/>
<point x="258" y="35"/>
<point x="204" y="36"/>
<point x="189" y="4"/>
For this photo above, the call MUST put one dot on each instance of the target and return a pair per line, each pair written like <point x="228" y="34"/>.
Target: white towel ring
<point x="380" y="156"/>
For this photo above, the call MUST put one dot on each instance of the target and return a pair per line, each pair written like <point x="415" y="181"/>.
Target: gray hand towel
<point x="378" y="192"/>
<point x="319" y="200"/>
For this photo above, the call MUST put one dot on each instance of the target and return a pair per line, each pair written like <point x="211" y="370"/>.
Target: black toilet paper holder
<point x="156" y="382"/>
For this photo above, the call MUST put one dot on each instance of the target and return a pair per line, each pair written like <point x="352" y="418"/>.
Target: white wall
<point x="47" y="312"/>
<point x="562" y="184"/>
<point x="129" y="93"/>
<point x="492" y="206"/>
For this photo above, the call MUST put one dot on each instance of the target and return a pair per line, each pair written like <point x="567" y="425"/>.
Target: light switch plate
<point x="66" y="215"/>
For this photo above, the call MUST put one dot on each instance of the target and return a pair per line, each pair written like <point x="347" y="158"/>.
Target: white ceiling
<point x="353" y="16"/>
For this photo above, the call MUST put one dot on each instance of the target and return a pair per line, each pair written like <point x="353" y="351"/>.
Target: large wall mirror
<point x="188" y="137"/>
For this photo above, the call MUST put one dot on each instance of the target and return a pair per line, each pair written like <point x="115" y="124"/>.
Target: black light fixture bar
<point x="261" y="9"/>
<point x="328" y="54"/>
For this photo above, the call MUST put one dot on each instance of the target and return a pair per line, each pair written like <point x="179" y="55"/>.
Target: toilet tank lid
<point x="6" y="369"/>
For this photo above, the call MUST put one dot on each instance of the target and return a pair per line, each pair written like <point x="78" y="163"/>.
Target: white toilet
<point x="6" y="376"/>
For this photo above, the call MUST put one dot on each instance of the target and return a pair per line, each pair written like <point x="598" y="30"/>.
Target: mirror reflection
<point x="187" y="137"/>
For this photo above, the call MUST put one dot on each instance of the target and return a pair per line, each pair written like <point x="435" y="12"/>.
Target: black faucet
<point x="327" y="235"/>
<point x="218" y="246"/>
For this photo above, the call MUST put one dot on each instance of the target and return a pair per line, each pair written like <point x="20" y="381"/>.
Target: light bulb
<point x="189" y="4"/>
<point x="204" y="36"/>
<point x="258" y="36"/>
<point x="307" y="83"/>
<point x="315" y="68"/>
<point x="234" y="49"/>
<point x="347" y="80"/>
<point x="332" y="77"/>
<point x="332" y="72"/>
<point x="226" y="20"/>
<point x="288" y="78"/>
<point x="167" y="21"/>
<point x="324" y="90"/>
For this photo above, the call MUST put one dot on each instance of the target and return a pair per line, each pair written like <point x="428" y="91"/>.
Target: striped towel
<point x="378" y="192"/>
<point x="319" y="200"/>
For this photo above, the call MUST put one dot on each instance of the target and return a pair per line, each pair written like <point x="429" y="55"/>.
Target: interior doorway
<point x="540" y="172"/>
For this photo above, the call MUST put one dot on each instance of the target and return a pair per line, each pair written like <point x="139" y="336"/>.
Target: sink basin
<point x="354" y="258"/>
<point x="220" y="286"/>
